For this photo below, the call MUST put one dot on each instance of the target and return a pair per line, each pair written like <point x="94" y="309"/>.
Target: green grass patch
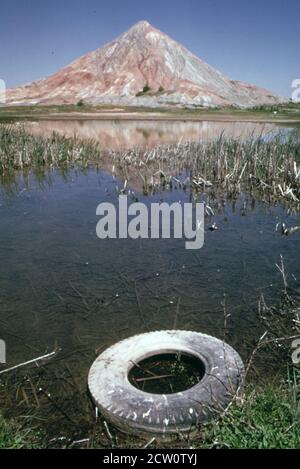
<point x="14" y="436"/>
<point x="269" y="418"/>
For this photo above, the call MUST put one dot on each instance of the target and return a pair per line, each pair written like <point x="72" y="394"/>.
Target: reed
<point x="269" y="166"/>
<point x="264" y="165"/>
<point x="20" y="150"/>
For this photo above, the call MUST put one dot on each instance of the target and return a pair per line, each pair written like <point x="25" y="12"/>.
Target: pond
<point x="124" y="134"/>
<point x="61" y="285"/>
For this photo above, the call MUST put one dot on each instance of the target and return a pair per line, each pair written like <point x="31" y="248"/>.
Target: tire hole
<point x="167" y="373"/>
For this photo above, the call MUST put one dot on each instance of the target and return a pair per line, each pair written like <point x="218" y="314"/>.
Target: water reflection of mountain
<point x="127" y="134"/>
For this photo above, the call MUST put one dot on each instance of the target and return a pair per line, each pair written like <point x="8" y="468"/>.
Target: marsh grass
<point x="265" y="166"/>
<point x="19" y="150"/>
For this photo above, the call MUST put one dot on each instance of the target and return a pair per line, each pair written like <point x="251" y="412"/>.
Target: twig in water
<point x="149" y="443"/>
<point x="79" y="442"/>
<point x="262" y="343"/>
<point x="139" y="306"/>
<point x="282" y="271"/>
<point x="258" y="346"/>
<point x="48" y="356"/>
<point x="109" y="434"/>
<point x="80" y="296"/>
<point x="58" y="407"/>
<point x="152" y="378"/>
<point x="176" y="314"/>
<point x="226" y="316"/>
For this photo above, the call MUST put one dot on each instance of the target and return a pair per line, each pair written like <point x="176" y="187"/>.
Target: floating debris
<point x="285" y="231"/>
<point x="213" y="227"/>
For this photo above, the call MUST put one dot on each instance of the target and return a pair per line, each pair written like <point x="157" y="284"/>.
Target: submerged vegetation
<point x="266" y="416"/>
<point x="269" y="414"/>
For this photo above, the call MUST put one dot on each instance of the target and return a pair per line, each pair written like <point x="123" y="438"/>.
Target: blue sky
<point x="256" y="41"/>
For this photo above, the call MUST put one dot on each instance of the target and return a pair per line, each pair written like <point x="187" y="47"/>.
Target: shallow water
<point x="124" y="134"/>
<point x="61" y="285"/>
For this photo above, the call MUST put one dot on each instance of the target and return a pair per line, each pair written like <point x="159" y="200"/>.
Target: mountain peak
<point x="142" y="67"/>
<point x="142" y="24"/>
<point x="140" y="27"/>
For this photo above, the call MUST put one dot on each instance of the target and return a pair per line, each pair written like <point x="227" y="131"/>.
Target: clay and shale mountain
<point x="142" y="67"/>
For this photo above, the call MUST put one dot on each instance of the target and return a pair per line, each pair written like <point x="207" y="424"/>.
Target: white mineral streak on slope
<point x="115" y="73"/>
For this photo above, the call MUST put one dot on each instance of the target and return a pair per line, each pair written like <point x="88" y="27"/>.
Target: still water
<point x="122" y="134"/>
<point x="61" y="285"/>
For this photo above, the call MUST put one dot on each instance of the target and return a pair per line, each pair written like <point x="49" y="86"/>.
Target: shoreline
<point x="140" y="116"/>
<point x="288" y="114"/>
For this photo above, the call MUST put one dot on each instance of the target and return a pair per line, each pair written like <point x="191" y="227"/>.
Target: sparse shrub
<point x="146" y="88"/>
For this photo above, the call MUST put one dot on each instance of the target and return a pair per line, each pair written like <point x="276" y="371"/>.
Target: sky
<point x="257" y="41"/>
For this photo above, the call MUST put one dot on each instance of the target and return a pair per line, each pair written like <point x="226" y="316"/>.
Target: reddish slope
<point x="117" y="72"/>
